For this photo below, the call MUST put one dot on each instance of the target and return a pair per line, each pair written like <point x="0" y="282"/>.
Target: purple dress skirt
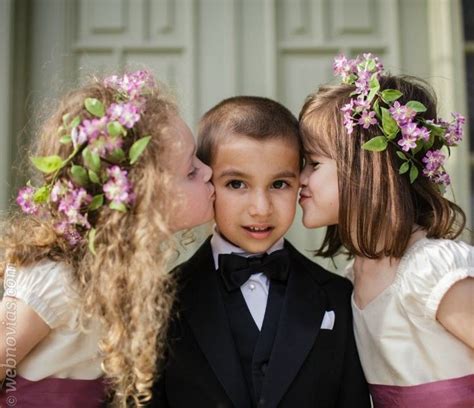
<point x="52" y="393"/>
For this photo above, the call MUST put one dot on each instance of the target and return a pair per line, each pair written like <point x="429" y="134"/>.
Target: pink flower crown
<point x="98" y="135"/>
<point x="399" y="124"/>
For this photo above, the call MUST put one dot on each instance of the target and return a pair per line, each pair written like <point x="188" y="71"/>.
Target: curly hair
<point x="126" y="284"/>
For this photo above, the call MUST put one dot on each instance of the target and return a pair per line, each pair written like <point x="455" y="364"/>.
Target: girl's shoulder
<point x="44" y="286"/>
<point x="429" y="268"/>
<point x="437" y="254"/>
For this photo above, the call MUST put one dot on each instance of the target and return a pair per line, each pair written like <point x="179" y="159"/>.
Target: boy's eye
<point x="235" y="184"/>
<point x="279" y="184"/>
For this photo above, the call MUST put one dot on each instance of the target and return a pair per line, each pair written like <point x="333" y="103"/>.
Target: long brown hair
<point x="126" y="284"/>
<point x="376" y="204"/>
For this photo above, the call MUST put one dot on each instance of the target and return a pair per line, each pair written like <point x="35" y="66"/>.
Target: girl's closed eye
<point x="192" y="173"/>
<point x="235" y="184"/>
<point x="314" y="164"/>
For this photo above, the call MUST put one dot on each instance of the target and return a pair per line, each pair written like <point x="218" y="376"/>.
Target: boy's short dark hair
<point x="252" y="116"/>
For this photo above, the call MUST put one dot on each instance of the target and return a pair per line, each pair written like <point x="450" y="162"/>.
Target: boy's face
<point x="256" y="186"/>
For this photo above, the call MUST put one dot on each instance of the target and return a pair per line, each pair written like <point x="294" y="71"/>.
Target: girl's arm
<point x="21" y="329"/>
<point x="456" y="311"/>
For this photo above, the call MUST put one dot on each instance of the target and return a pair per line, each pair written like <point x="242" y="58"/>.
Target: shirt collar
<point x="221" y="246"/>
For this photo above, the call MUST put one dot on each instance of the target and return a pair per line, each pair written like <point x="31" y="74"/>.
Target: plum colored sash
<point x="452" y="393"/>
<point x="52" y="393"/>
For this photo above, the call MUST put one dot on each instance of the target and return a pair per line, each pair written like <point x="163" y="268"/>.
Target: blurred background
<point x="207" y="50"/>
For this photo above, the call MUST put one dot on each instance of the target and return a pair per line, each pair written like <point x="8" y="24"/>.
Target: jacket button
<point x="263" y="368"/>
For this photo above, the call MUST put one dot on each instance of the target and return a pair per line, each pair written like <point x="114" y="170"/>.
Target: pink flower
<point x="118" y="188"/>
<point x="130" y="115"/>
<point x="433" y="160"/>
<point x="410" y="130"/>
<point x="131" y="84"/>
<point x="349" y="125"/>
<point x="362" y="82"/>
<point x="115" y="111"/>
<point x="407" y="142"/>
<point x="424" y="134"/>
<point x="401" y="113"/>
<point x="25" y="200"/>
<point x="367" y="119"/>
<point x="91" y="129"/>
<point x="454" y="132"/>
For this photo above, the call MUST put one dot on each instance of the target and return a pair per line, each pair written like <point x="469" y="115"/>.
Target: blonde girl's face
<point x="191" y="185"/>
<point x="319" y="195"/>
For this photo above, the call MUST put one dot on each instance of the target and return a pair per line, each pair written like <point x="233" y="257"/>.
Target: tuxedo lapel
<point x="204" y="310"/>
<point x="300" y="322"/>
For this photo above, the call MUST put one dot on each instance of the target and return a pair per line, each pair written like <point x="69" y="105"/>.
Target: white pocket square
<point x="328" y="320"/>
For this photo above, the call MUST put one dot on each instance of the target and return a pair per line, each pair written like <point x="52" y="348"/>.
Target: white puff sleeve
<point x="429" y="269"/>
<point x="43" y="287"/>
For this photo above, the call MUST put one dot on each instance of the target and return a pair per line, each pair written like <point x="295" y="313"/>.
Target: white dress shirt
<point x="255" y="290"/>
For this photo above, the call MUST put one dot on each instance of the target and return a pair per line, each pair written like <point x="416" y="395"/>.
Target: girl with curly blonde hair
<point x="87" y="290"/>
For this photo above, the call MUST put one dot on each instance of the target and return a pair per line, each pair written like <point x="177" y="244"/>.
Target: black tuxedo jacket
<point x="308" y="367"/>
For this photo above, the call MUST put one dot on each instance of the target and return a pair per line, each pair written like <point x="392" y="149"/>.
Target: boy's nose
<point x="261" y="204"/>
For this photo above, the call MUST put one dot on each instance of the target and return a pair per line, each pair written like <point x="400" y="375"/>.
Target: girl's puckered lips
<point x="305" y="194"/>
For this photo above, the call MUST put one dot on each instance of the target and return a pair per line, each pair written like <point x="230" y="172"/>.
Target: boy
<point x="257" y="323"/>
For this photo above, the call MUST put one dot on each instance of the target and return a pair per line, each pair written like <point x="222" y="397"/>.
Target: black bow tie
<point x="236" y="269"/>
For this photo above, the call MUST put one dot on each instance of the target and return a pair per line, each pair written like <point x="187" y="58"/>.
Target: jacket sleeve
<point x="354" y="391"/>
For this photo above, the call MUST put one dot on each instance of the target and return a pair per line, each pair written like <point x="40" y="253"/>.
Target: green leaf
<point x="137" y="148"/>
<point x="66" y="119"/>
<point x="41" y="195"/>
<point x="371" y="65"/>
<point x="374" y="82"/>
<point x="79" y="175"/>
<point x="118" y="206"/>
<point x="416" y="106"/>
<point x="94" y="107"/>
<point x="75" y="122"/>
<point x="117" y="156"/>
<point x="66" y="139"/>
<point x="377" y="109"/>
<point x="94" y="177"/>
<point x="91" y="240"/>
<point x="97" y="202"/>
<point x="389" y="124"/>
<point x="376" y="144"/>
<point x="374" y="87"/>
<point x="390" y="95"/>
<point x="420" y="144"/>
<point x="48" y="164"/>
<point x="413" y="173"/>
<point x="402" y="155"/>
<point x="404" y="167"/>
<point x="91" y="160"/>
<point x="115" y="129"/>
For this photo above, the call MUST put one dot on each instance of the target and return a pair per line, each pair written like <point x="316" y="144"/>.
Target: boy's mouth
<point x="259" y="231"/>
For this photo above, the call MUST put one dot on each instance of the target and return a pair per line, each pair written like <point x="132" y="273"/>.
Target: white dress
<point x="408" y="358"/>
<point x="65" y="366"/>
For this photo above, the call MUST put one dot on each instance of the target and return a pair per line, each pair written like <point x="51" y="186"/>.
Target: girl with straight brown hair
<point x="374" y="176"/>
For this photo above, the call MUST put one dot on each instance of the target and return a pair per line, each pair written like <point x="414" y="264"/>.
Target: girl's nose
<point x="304" y="176"/>
<point x="206" y="171"/>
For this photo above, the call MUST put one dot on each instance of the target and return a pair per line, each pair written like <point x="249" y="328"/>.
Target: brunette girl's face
<point x="191" y="184"/>
<point x="319" y="195"/>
